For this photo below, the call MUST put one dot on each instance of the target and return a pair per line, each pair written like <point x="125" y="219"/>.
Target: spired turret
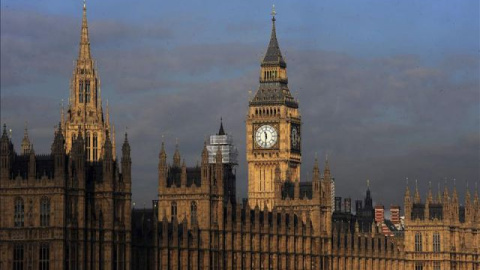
<point x="126" y="161"/>
<point x="6" y="150"/>
<point x="85" y="111"/>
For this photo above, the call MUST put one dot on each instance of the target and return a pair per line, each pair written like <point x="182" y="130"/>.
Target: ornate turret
<point x="176" y="157"/>
<point x="58" y="152"/>
<point x="126" y="160"/>
<point x="407" y="199"/>
<point x="26" y="145"/>
<point x="5" y="153"/>
<point x="416" y="198"/>
<point x="85" y="111"/>
<point x="107" y="160"/>
<point x="162" y="167"/>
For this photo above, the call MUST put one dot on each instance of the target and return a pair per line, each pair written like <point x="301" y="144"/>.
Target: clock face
<point x="266" y="136"/>
<point x="295" y="137"/>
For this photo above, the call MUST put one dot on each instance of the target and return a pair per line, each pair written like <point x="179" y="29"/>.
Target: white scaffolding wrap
<point x="225" y="144"/>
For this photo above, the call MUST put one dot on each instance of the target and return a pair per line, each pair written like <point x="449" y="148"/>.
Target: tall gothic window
<point x="418" y="242"/>
<point x="19" y="215"/>
<point x="436" y="242"/>
<point x="80" y="92"/>
<point x="45" y="212"/>
<point x="18" y="256"/>
<point x="418" y="266"/>
<point x="174" y="209"/>
<point x="193" y="212"/>
<point x="87" y="91"/>
<point x="44" y="257"/>
<point x="87" y="141"/>
<point x="436" y="266"/>
<point x="95" y="146"/>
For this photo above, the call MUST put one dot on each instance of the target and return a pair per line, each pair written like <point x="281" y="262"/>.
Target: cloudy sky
<point x="389" y="89"/>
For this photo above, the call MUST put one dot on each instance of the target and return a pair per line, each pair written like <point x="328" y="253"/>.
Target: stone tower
<point x="273" y="129"/>
<point x="85" y="112"/>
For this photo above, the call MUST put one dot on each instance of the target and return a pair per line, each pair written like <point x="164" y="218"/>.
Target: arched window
<point x="87" y="142"/>
<point x="18" y="257"/>
<point x="174" y="209"/>
<point x="80" y="92"/>
<point x="95" y="147"/>
<point x="44" y="257"/>
<point x="87" y="91"/>
<point x="193" y="212"/>
<point x="436" y="242"/>
<point x="19" y="216"/>
<point x="45" y="212"/>
<point x="418" y="242"/>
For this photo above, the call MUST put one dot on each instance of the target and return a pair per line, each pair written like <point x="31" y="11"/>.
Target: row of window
<point x="436" y="266"/>
<point x="84" y="89"/>
<point x="193" y="211"/>
<point x="19" y="212"/>
<point x="43" y="257"/>
<point x="419" y="242"/>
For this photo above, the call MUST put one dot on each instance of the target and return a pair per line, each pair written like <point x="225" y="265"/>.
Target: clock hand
<point x="266" y="136"/>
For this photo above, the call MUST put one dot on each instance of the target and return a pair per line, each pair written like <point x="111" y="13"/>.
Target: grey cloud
<point x="383" y="119"/>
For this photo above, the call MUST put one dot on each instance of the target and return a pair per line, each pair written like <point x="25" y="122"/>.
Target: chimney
<point x="395" y="215"/>
<point x="379" y="213"/>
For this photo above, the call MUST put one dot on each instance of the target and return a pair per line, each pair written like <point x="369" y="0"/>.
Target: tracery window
<point x="87" y="141"/>
<point x="436" y="242"/>
<point x="18" y="255"/>
<point x="173" y="209"/>
<point x="45" y="212"/>
<point x="19" y="215"/>
<point x="193" y="212"/>
<point x="44" y="257"/>
<point x="87" y="91"/>
<point x="418" y="242"/>
<point x="418" y="266"/>
<point x="80" y="92"/>
<point x="95" y="146"/>
<point x="436" y="266"/>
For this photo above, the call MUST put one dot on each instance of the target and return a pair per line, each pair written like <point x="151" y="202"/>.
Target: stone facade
<point x="440" y="233"/>
<point x="69" y="209"/>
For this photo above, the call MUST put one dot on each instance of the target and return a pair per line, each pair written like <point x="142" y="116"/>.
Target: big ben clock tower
<point x="273" y="129"/>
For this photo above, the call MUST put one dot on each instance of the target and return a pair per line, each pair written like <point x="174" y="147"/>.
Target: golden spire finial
<point x="273" y="11"/>
<point x="368" y="183"/>
<point x="84" y="4"/>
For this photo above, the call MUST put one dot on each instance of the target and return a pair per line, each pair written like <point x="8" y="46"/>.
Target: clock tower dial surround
<point x="273" y="127"/>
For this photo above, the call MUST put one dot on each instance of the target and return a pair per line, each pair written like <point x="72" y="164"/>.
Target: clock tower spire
<point x="273" y="128"/>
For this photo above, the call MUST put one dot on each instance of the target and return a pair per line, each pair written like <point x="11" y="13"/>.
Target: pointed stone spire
<point x="407" y="190"/>
<point x="326" y="171"/>
<point x="273" y="75"/>
<point x="467" y="195"/>
<point x="446" y="198"/>
<point x="221" y="131"/>
<point x="454" y="194"/>
<point x="273" y="54"/>
<point x="162" y="153"/>
<point x="176" y="156"/>
<point x="126" y="148"/>
<point x="26" y="145"/>
<point x="416" y="198"/>
<point x="430" y="194"/>
<point x="439" y="194"/>
<point x="316" y="170"/>
<point x="84" y="51"/>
